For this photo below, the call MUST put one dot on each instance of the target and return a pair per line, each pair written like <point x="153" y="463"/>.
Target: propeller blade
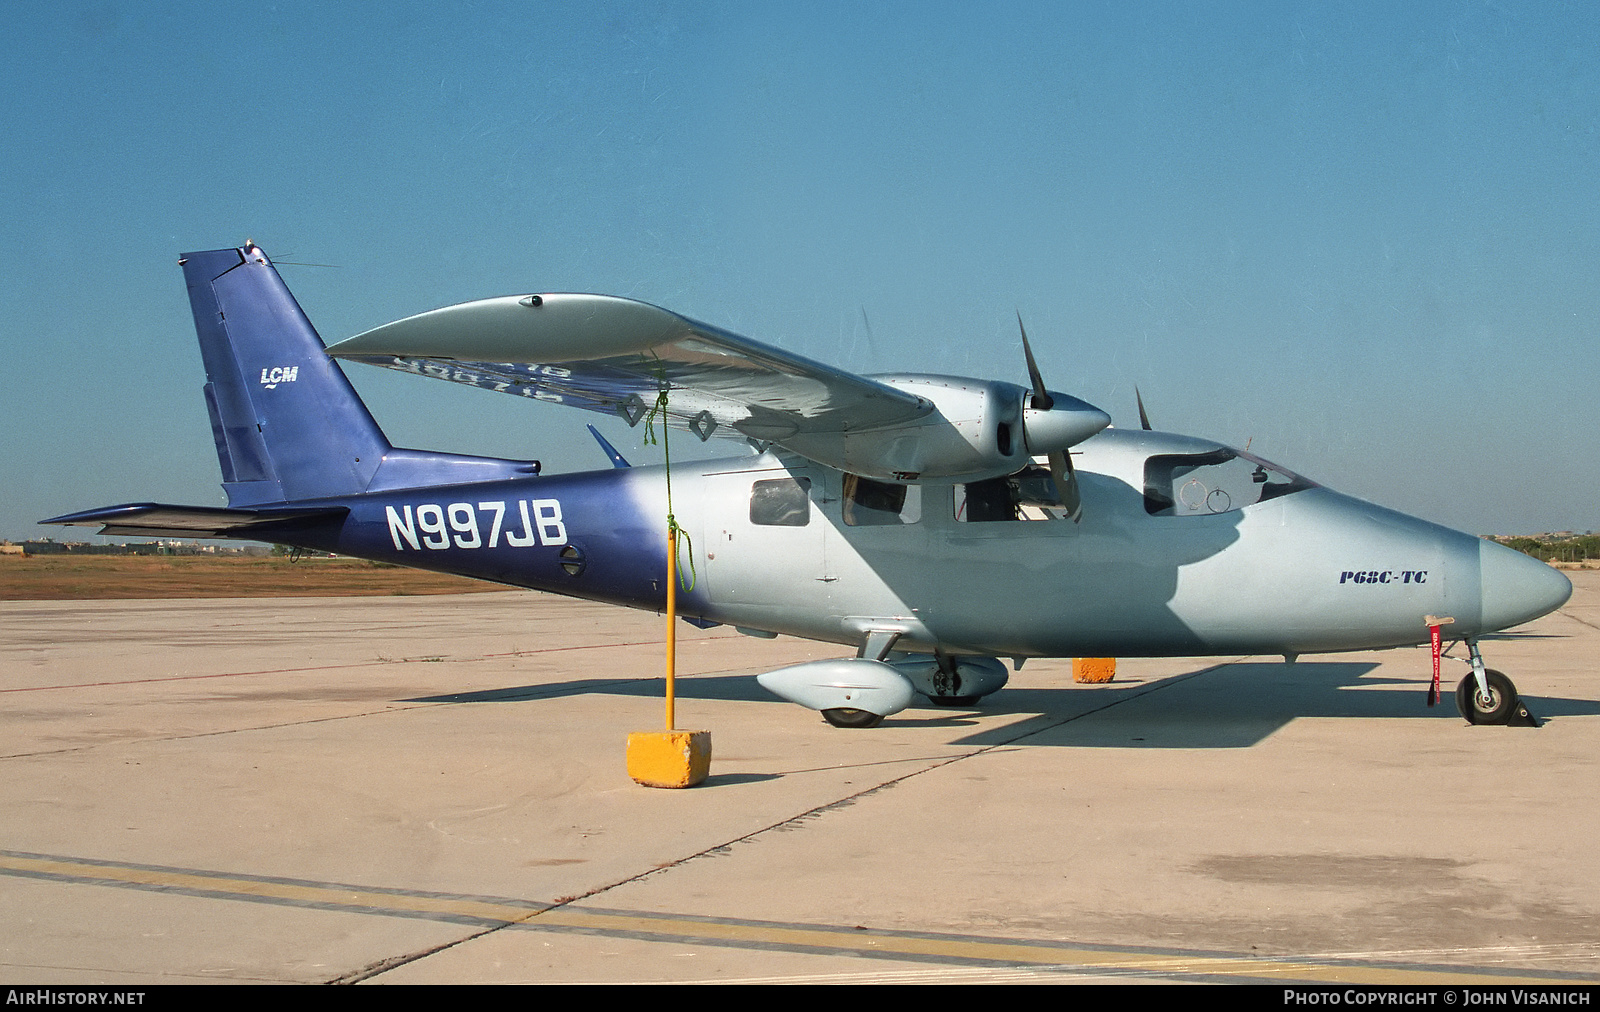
<point x="1042" y="401"/>
<point x="1144" y="419"/>
<point x="872" y="343"/>
<point x="1060" y="460"/>
<point x="1066" y="480"/>
<point x="1061" y="471"/>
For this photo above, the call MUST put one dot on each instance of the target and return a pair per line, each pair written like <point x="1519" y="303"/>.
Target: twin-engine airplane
<point x="936" y="523"/>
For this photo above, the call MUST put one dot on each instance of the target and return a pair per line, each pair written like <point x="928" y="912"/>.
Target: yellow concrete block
<point x="669" y="758"/>
<point x="1094" y="670"/>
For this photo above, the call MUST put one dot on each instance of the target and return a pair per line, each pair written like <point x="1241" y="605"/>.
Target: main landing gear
<point x="860" y="691"/>
<point x="1488" y="697"/>
<point x="845" y="716"/>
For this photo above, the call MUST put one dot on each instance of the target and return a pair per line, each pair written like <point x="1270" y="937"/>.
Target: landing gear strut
<point x="1488" y="697"/>
<point x="947" y="685"/>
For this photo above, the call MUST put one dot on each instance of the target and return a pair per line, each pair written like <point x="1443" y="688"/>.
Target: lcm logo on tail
<point x="939" y="525"/>
<point x="270" y="378"/>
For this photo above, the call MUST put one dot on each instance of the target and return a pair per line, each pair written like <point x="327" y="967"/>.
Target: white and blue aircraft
<point x="937" y="524"/>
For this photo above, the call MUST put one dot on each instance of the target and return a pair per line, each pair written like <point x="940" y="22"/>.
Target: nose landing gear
<point x="1488" y="697"/>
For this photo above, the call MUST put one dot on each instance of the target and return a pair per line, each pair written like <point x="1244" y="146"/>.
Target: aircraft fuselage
<point x="1307" y="571"/>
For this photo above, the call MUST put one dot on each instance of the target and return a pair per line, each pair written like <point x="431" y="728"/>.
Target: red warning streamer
<point x="1434" y="622"/>
<point x="1433" y="691"/>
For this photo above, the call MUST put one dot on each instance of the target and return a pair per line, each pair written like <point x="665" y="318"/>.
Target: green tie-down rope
<point x="673" y="528"/>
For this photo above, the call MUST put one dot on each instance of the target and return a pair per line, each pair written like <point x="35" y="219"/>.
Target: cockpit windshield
<point x="1216" y="481"/>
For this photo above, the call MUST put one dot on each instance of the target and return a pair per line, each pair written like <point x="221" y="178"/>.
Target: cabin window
<point x="1030" y="494"/>
<point x="869" y="503"/>
<point x="1218" y="481"/>
<point x="781" y="502"/>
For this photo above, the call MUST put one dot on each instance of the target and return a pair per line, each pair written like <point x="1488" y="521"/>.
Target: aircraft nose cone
<point x="1517" y="588"/>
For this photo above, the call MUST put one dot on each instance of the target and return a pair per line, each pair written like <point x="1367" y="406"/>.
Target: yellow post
<point x="670" y="758"/>
<point x="672" y="626"/>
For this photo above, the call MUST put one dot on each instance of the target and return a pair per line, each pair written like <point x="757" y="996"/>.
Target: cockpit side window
<point x="781" y="502"/>
<point x="1217" y="481"/>
<point x="869" y="503"/>
<point x="1030" y="494"/>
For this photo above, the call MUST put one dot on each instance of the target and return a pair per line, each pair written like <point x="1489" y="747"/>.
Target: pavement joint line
<point x="863" y="766"/>
<point x="1564" y="613"/>
<point x="392" y="708"/>
<point x="398" y="706"/>
<point x="494" y="913"/>
<point x="381" y="663"/>
<point x="376" y="662"/>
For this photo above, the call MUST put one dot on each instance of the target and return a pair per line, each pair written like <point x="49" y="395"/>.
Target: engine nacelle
<point x="974" y="676"/>
<point x="844" y="683"/>
<point x="978" y="429"/>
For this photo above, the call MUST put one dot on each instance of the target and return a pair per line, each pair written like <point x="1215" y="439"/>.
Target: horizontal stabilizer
<point x="153" y="520"/>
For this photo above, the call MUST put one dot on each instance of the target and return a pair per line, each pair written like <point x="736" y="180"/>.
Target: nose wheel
<point x="1495" y="708"/>
<point x="1500" y="706"/>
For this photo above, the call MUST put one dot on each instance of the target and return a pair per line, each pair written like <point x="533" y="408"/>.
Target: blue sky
<point x="1363" y="237"/>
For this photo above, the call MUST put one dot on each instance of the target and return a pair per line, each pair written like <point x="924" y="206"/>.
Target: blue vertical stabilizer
<point x="287" y="423"/>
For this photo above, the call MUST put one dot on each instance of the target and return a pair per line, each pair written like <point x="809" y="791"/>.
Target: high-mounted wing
<point x="615" y="355"/>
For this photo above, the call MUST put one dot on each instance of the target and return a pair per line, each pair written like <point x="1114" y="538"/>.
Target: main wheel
<point x="846" y="716"/>
<point x="1497" y="709"/>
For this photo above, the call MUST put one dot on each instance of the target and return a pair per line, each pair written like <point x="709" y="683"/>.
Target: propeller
<point x="1061" y="471"/>
<point x="1042" y="401"/>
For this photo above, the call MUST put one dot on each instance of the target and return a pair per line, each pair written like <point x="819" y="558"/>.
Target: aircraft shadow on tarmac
<point x="1215" y="706"/>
